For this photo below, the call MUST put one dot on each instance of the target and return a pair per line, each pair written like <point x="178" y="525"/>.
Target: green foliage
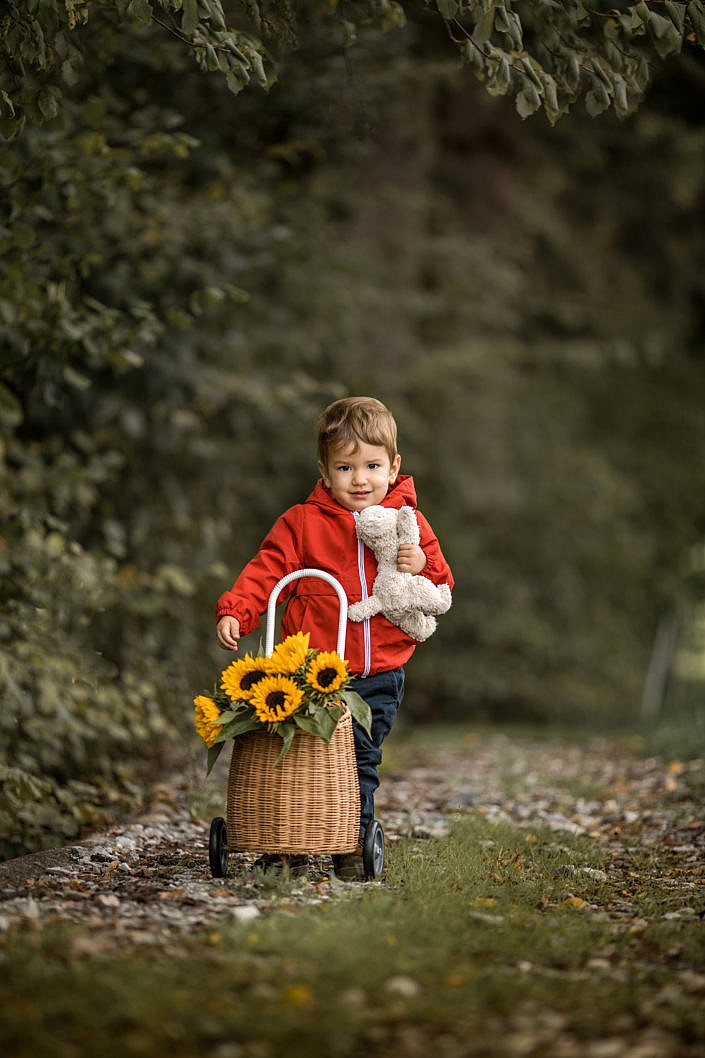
<point x="548" y="55"/>
<point x="560" y="531"/>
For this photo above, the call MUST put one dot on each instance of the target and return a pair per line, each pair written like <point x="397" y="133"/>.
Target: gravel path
<point x="148" y="880"/>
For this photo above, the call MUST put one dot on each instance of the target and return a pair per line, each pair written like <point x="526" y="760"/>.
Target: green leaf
<point x="189" y="19"/>
<point x="621" y="98"/>
<point x="597" y="100"/>
<point x="550" y="99"/>
<point x="392" y="15"/>
<point x="238" y="727"/>
<point x="508" y="22"/>
<point x="359" y="708"/>
<point x="528" y="100"/>
<point x="215" y="13"/>
<point x="75" y="378"/>
<point x="213" y="754"/>
<point x="532" y="72"/>
<point x="499" y="81"/>
<point x="48" y="102"/>
<point x="677" y="13"/>
<point x="484" y="27"/>
<point x="474" y="57"/>
<point x="322" y="723"/>
<point x="140" y="11"/>
<point x="70" y="71"/>
<point x="696" y="14"/>
<point x="581" y="15"/>
<point x="571" y="73"/>
<point x="597" y="67"/>
<point x="665" y="34"/>
<point x="235" y="83"/>
<point x="634" y="21"/>
<point x="228" y="715"/>
<point x="286" y="732"/>
<point x="448" y="8"/>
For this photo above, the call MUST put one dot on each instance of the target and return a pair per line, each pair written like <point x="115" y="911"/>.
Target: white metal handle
<point x="296" y="575"/>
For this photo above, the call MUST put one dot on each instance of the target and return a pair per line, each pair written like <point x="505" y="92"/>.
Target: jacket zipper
<point x="366" y="633"/>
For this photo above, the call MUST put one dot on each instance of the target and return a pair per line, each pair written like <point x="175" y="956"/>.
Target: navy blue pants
<point x="383" y="693"/>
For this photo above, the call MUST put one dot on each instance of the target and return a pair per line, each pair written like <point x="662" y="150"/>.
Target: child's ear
<point x="324" y="473"/>
<point x="394" y="469"/>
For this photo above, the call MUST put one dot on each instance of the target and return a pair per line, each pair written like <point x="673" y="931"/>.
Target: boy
<point x="359" y="465"/>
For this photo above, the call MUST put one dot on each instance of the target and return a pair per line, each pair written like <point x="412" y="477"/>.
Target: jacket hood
<point x="401" y="494"/>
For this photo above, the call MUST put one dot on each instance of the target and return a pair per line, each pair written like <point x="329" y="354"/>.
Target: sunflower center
<point x="250" y="679"/>
<point x="276" y="699"/>
<point x="327" y="676"/>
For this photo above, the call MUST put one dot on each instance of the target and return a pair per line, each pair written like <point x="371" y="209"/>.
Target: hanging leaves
<point x="573" y="53"/>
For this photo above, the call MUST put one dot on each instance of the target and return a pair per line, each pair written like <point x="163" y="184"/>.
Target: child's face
<point x="359" y="477"/>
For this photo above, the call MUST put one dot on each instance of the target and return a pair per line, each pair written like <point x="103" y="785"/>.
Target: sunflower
<point x="206" y="717"/>
<point x="328" y="672"/>
<point x="291" y="654"/>
<point x="276" y="697"/>
<point x="239" y="679"/>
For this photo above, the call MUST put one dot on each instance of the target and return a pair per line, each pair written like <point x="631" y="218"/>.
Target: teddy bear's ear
<point x="407" y="526"/>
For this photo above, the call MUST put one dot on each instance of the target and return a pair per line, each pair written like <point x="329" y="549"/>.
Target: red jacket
<point x="320" y="533"/>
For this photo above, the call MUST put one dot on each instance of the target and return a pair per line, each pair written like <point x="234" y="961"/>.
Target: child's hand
<point x="410" y="558"/>
<point x="227" y="633"/>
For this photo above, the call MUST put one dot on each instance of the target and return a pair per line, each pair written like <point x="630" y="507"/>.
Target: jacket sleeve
<point x="436" y="568"/>
<point x="278" y="555"/>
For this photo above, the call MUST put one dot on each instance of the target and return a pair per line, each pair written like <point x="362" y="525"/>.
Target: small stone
<point x="402" y="986"/>
<point x="594" y="872"/>
<point x="486" y="918"/>
<point x="107" y="900"/>
<point x="246" y="912"/>
<point x="607" y="1048"/>
<point x="692" y="981"/>
<point x="125" y="842"/>
<point x="101" y="854"/>
<point x="598" y="963"/>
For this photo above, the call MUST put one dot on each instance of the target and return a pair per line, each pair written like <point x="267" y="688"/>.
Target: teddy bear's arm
<point x="366" y="608"/>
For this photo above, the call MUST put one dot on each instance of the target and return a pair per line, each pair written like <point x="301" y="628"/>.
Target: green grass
<point x="469" y="947"/>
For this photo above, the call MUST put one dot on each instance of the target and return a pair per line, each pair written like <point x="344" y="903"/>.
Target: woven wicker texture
<point x="308" y="803"/>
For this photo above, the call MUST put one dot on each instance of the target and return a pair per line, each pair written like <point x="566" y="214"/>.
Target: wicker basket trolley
<point x="309" y="803"/>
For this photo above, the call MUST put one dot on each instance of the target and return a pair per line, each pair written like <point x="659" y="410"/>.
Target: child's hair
<point x="347" y="422"/>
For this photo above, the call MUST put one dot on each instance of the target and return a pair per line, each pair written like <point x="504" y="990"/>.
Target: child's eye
<point x="343" y="467"/>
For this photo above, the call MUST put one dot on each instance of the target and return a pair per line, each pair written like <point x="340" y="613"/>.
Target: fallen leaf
<point x="298" y="996"/>
<point x="575" y="903"/>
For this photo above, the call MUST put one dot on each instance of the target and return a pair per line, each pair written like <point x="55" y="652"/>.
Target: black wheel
<point x="218" y="848"/>
<point x="373" y="850"/>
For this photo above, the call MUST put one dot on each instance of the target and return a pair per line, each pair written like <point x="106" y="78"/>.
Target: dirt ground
<point x="149" y="877"/>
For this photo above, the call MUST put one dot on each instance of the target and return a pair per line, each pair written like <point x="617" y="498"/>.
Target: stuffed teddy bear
<point x="409" y="602"/>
